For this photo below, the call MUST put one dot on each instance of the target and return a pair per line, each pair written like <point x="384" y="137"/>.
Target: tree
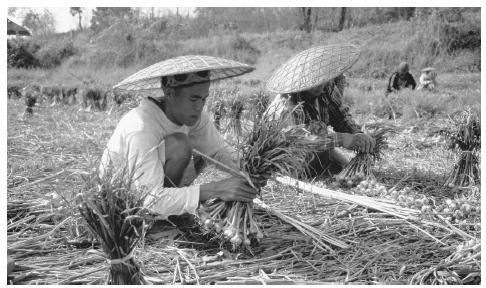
<point x="342" y="19"/>
<point x="42" y="23"/>
<point x="79" y="11"/>
<point x="306" y="13"/>
<point x="12" y="11"/>
<point x="103" y="16"/>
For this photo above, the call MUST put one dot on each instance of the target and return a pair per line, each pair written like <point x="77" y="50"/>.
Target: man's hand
<point x="230" y="189"/>
<point x="360" y="141"/>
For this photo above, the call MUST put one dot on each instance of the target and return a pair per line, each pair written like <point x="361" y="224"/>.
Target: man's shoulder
<point x="137" y="119"/>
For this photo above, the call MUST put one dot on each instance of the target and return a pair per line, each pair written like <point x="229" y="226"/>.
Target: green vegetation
<point x="447" y="38"/>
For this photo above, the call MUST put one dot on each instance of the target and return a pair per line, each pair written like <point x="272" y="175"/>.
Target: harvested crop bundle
<point x="235" y="110"/>
<point x="466" y="170"/>
<point x="360" y="167"/>
<point x="259" y="103"/>
<point x="115" y="215"/>
<point x="466" y="137"/>
<point x="232" y="221"/>
<point x="265" y="151"/>
<point x="30" y="100"/>
<point x="219" y="111"/>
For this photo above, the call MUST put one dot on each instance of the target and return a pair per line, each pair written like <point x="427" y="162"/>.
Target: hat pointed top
<point x="312" y="67"/>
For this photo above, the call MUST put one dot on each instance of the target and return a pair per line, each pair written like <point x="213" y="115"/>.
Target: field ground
<point x="50" y="155"/>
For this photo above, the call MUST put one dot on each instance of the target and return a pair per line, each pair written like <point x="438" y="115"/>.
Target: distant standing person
<point x="401" y="79"/>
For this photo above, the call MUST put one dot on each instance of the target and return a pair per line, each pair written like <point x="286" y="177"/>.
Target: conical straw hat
<point x="312" y="67"/>
<point x="149" y="78"/>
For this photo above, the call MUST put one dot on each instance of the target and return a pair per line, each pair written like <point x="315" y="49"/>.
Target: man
<point x="157" y="137"/>
<point x="401" y="79"/>
<point x="317" y="82"/>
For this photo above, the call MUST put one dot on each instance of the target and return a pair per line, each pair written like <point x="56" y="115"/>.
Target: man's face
<point x="187" y="103"/>
<point x="403" y="71"/>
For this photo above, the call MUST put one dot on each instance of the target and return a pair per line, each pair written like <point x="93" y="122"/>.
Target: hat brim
<point x="149" y="78"/>
<point x="428" y="69"/>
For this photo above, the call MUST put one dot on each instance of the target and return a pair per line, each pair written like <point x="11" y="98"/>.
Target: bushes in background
<point x="19" y="56"/>
<point x="447" y="38"/>
<point x="53" y="54"/>
<point x="30" y="54"/>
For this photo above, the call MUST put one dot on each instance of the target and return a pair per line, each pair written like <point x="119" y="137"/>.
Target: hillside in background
<point x="447" y="38"/>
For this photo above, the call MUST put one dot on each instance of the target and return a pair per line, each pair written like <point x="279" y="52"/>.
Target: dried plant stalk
<point x="466" y="138"/>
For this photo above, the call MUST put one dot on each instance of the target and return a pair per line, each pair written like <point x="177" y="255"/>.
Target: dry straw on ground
<point x="49" y="240"/>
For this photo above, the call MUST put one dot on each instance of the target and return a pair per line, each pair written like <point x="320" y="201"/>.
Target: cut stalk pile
<point x="382" y="205"/>
<point x="360" y="167"/>
<point x="467" y="139"/>
<point x="115" y="215"/>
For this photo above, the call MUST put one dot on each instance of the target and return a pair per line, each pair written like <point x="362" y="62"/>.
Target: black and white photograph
<point x="243" y="145"/>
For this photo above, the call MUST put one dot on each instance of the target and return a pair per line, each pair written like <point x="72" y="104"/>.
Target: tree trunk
<point x="316" y="16"/>
<point x="307" y="26"/>
<point x="80" y="26"/>
<point x="342" y="19"/>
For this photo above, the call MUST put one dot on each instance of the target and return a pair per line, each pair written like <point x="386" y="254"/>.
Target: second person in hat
<point x="314" y="79"/>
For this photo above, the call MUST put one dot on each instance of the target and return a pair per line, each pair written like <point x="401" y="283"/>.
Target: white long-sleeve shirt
<point x="139" y="138"/>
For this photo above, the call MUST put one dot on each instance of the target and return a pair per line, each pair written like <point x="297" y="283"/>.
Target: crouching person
<point x="314" y="80"/>
<point x="158" y="136"/>
<point x="427" y="79"/>
<point x="401" y="79"/>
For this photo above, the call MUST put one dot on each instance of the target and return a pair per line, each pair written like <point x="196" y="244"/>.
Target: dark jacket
<point x="326" y="108"/>
<point x="397" y="82"/>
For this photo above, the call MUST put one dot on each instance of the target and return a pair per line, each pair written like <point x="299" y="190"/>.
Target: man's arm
<point x="339" y="117"/>
<point x="206" y="139"/>
<point x="391" y="83"/>
<point x="412" y="81"/>
<point x="358" y="141"/>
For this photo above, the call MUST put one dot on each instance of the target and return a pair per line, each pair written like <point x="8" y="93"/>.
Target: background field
<point x="50" y="156"/>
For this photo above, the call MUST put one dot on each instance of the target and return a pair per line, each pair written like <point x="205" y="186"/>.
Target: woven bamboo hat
<point x="312" y="67"/>
<point x="150" y="77"/>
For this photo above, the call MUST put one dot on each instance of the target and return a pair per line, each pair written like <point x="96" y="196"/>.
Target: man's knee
<point x="337" y="157"/>
<point x="177" y="147"/>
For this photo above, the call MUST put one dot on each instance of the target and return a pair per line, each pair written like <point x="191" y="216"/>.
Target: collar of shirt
<point x="151" y="108"/>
